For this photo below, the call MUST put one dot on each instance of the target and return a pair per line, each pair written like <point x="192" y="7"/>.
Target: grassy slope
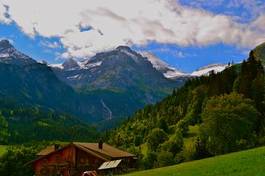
<point x="245" y="163"/>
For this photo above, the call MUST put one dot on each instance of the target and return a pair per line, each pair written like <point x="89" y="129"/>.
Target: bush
<point x="179" y="158"/>
<point x="149" y="160"/>
<point x="189" y="151"/>
<point x="165" y="158"/>
<point x="174" y="144"/>
<point x="156" y="136"/>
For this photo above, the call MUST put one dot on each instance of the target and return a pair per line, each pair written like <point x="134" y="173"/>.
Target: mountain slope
<point x="29" y="83"/>
<point x="160" y="132"/>
<point x="164" y="68"/>
<point x="27" y="124"/>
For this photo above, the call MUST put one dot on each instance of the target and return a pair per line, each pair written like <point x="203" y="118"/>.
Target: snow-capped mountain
<point x="9" y="55"/>
<point x="164" y="68"/>
<point x="216" y="68"/>
<point x="78" y="70"/>
<point x="119" y="68"/>
<point x="161" y="66"/>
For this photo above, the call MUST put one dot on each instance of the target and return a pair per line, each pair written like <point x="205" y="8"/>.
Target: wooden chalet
<point x="76" y="158"/>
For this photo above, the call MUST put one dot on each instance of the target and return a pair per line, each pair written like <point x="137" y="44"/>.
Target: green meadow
<point x="245" y="163"/>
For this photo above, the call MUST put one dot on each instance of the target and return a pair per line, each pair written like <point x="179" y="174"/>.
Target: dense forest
<point x="24" y="124"/>
<point x="208" y="116"/>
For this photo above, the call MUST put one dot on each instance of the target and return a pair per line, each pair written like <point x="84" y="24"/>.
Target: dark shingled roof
<point x="107" y="150"/>
<point x="46" y="151"/>
<point x="106" y="153"/>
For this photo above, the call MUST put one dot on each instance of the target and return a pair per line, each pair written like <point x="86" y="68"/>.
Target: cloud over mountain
<point x="87" y="27"/>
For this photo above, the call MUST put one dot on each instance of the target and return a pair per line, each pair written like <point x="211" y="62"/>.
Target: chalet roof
<point x="107" y="150"/>
<point x="46" y="151"/>
<point x="106" y="153"/>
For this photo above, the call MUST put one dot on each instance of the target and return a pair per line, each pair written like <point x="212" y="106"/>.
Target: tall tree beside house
<point x="12" y="163"/>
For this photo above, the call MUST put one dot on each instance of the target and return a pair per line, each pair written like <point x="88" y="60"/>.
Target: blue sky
<point x="47" y="39"/>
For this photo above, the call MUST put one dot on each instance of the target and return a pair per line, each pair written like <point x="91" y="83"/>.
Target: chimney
<point x="56" y="147"/>
<point x="100" y="144"/>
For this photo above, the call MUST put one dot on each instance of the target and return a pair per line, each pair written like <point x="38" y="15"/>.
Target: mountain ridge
<point x="121" y="75"/>
<point x="168" y="71"/>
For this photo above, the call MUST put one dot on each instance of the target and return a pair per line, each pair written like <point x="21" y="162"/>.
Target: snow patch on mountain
<point x="89" y="65"/>
<point x="3" y="55"/>
<point x="80" y="65"/>
<point x="60" y="66"/>
<point x="73" y="77"/>
<point x="216" y="68"/>
<point x="127" y="50"/>
<point x="163" y="67"/>
<point x="174" y="73"/>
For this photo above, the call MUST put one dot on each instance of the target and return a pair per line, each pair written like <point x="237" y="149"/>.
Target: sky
<point x="187" y="34"/>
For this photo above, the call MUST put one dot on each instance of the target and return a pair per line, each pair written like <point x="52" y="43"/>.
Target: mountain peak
<point x="10" y="55"/>
<point x="123" y="48"/>
<point x="70" y="64"/>
<point x="4" y="44"/>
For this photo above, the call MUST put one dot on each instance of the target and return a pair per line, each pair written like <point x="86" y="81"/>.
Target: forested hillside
<point x="23" y="124"/>
<point x="208" y="116"/>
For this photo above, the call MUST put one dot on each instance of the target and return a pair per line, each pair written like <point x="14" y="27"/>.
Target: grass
<point x="244" y="163"/>
<point x="2" y="149"/>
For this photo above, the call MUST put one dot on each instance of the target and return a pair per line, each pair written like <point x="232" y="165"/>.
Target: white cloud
<point x="3" y="14"/>
<point x="50" y="44"/>
<point x="127" y="22"/>
<point x="176" y="53"/>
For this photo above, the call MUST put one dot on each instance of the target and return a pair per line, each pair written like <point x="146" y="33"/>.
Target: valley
<point x="136" y="103"/>
<point x="133" y="88"/>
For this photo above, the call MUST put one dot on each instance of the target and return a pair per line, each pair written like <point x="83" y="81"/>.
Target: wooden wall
<point x="59" y="162"/>
<point x="67" y="162"/>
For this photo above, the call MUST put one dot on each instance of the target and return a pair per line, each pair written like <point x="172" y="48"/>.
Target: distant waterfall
<point x="108" y="109"/>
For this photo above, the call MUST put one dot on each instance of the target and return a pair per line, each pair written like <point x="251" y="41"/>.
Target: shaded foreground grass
<point x="245" y="163"/>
